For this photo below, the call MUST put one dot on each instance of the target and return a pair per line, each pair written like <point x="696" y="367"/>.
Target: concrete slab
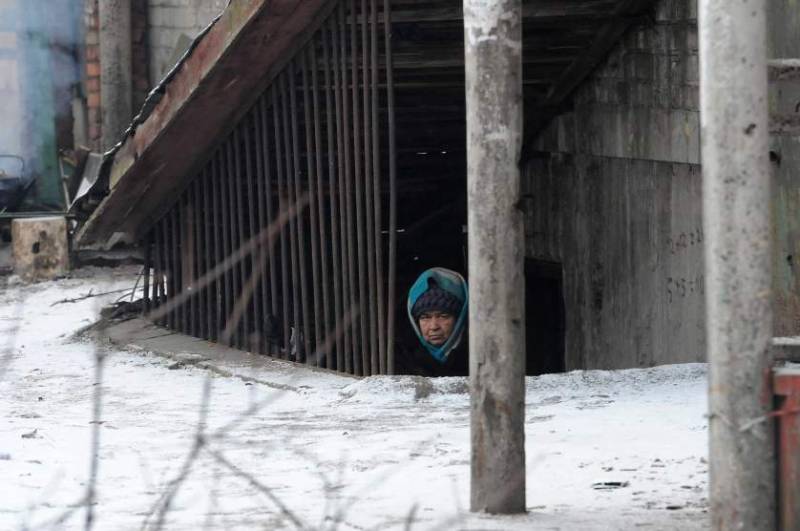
<point x="141" y="334"/>
<point x="40" y="247"/>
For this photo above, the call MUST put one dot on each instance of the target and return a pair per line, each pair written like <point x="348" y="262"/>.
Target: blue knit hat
<point x="436" y="299"/>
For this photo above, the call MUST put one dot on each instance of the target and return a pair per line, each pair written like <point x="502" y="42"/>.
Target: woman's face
<point x="436" y="327"/>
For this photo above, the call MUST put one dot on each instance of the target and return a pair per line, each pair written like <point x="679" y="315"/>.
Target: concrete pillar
<point x="493" y="48"/>
<point x="116" y="85"/>
<point x="40" y="248"/>
<point x="736" y="217"/>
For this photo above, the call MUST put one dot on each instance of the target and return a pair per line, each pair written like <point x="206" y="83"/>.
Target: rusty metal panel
<point x="787" y="392"/>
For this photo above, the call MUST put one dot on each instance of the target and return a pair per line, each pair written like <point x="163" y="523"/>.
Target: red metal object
<point x="787" y="393"/>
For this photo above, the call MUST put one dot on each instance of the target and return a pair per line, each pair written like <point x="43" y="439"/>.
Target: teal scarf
<point x="454" y="283"/>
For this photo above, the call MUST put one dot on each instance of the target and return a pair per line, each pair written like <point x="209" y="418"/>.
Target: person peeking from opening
<point x="437" y="310"/>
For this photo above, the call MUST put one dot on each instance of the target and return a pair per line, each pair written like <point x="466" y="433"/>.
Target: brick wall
<point x="140" y="58"/>
<point x="92" y="75"/>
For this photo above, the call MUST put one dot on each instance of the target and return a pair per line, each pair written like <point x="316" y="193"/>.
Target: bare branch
<point x="164" y="503"/>
<point x="259" y="486"/>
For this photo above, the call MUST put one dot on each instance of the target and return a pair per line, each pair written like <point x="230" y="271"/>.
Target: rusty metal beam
<point x="200" y="101"/>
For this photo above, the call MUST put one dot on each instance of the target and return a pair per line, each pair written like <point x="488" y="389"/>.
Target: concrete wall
<point x="172" y="25"/>
<point x="615" y="198"/>
<point x="784" y="42"/>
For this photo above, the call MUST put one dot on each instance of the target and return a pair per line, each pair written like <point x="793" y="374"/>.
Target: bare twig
<point x="258" y="486"/>
<point x="164" y="503"/>
<point x="90" y="295"/>
<point x="97" y="409"/>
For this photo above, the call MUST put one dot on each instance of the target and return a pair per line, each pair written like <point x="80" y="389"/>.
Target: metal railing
<point x="278" y="245"/>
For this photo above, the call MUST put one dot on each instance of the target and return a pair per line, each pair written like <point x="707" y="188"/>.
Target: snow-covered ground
<point x="323" y="451"/>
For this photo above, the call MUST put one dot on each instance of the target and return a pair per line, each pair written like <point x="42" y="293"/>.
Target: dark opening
<point x="544" y="316"/>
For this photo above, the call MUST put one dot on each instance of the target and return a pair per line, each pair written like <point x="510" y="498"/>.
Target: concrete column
<point x="116" y="85"/>
<point x="736" y="217"/>
<point x="493" y="48"/>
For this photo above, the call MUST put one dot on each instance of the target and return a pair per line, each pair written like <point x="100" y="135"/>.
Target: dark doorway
<point x="544" y="317"/>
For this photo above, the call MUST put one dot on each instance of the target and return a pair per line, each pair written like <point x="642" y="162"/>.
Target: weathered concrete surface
<point x="116" y="73"/>
<point x="493" y="65"/>
<point x="616" y="200"/>
<point x="619" y="205"/>
<point x="736" y="219"/>
<point x="629" y="236"/>
<point x="40" y="247"/>
<point x="783" y="39"/>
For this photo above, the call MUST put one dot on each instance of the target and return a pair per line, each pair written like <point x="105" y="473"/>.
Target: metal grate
<point x="278" y="245"/>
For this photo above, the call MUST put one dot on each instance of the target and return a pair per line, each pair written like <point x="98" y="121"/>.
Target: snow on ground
<point x="327" y="452"/>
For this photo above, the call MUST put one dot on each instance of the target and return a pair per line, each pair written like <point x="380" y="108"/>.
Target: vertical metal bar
<point x="208" y="221"/>
<point x="220" y="289"/>
<point x="270" y="218"/>
<point x="162" y="281"/>
<point x="493" y="68"/>
<point x="169" y="277"/>
<point x="323" y="239"/>
<point x="340" y="150"/>
<point x="369" y="227"/>
<point x="165" y="272"/>
<point x="261" y="198"/>
<point x="148" y="259"/>
<point x="358" y="188"/>
<point x="156" y="289"/>
<point x="195" y="228"/>
<point x="199" y="253"/>
<point x="172" y="244"/>
<point x="255" y="255"/>
<point x="348" y="174"/>
<point x="299" y="216"/>
<point x="230" y="207"/>
<point x="243" y="327"/>
<point x="376" y="189"/>
<point x="189" y="256"/>
<point x="296" y="344"/>
<point x="282" y="207"/>
<point x="333" y="190"/>
<point x="387" y="28"/>
<point x="315" y="193"/>
<point x="183" y="259"/>
<point x="736" y="217"/>
<point x="178" y="247"/>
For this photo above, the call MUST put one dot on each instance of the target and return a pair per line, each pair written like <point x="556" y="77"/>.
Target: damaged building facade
<point x="300" y="166"/>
